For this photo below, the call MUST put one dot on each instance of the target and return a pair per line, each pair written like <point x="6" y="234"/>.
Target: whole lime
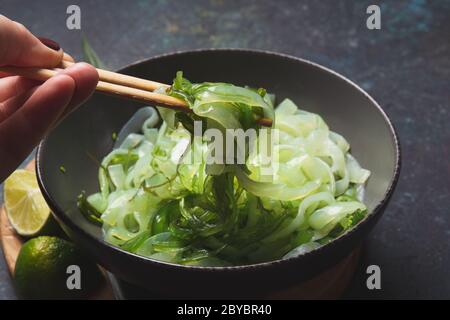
<point x="53" y="268"/>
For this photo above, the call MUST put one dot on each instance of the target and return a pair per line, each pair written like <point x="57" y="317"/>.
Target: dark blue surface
<point x="405" y="66"/>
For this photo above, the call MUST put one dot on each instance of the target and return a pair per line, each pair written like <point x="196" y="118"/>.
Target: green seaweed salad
<point x="154" y="202"/>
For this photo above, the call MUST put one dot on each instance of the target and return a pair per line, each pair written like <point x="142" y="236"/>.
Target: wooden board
<point x="11" y="243"/>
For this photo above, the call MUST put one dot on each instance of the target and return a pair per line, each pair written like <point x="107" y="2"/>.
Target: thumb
<point x="19" y="47"/>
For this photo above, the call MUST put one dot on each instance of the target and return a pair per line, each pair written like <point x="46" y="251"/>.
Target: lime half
<point x="25" y="206"/>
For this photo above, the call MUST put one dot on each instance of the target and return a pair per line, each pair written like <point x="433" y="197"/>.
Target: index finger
<point x="19" y="47"/>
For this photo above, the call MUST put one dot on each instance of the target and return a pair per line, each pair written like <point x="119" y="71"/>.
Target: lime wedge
<point x="25" y="206"/>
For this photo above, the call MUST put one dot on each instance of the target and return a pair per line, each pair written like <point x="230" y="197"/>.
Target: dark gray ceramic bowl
<point x="344" y="106"/>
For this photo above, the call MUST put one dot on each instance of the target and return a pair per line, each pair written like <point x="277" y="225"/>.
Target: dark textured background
<point x="405" y="66"/>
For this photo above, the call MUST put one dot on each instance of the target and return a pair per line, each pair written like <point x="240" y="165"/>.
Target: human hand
<point x="29" y="109"/>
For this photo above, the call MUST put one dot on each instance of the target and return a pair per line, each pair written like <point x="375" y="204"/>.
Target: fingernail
<point x="50" y="43"/>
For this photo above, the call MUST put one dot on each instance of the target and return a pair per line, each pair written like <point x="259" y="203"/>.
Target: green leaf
<point x="134" y="243"/>
<point x="88" y="210"/>
<point x="352" y="219"/>
<point x="90" y="56"/>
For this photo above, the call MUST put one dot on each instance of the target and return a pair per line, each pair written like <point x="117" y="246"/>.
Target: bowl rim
<point x="59" y="212"/>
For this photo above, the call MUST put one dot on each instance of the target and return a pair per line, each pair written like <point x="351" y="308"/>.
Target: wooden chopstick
<point x="105" y="87"/>
<point x="123" y="79"/>
<point x="117" y="84"/>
